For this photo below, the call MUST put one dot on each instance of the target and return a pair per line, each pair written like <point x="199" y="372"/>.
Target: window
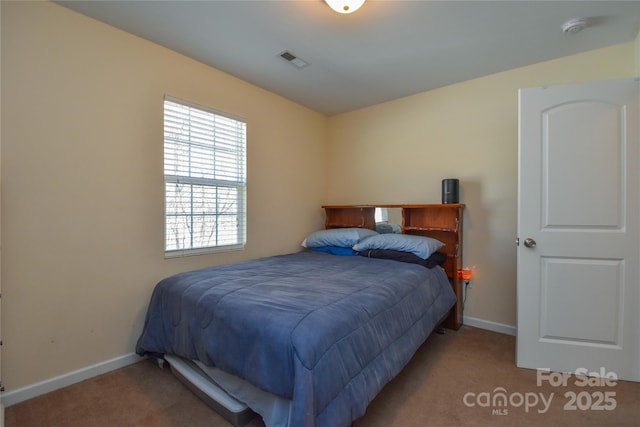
<point x="204" y="179"/>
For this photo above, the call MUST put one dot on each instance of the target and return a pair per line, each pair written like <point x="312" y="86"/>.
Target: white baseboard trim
<point x="489" y="325"/>
<point x="28" y="392"/>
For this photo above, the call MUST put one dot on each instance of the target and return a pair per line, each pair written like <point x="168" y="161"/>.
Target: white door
<point x="578" y="228"/>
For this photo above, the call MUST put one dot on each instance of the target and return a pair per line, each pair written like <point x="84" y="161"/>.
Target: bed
<point x="304" y="339"/>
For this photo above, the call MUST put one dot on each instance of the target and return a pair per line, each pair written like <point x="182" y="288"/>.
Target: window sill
<point x="179" y="253"/>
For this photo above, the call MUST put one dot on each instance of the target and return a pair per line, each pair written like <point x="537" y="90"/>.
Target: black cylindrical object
<point x="450" y="191"/>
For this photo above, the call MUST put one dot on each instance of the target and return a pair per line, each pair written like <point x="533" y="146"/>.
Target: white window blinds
<point x="204" y="179"/>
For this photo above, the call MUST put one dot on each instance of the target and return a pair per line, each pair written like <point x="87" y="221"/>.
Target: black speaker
<point x="450" y="191"/>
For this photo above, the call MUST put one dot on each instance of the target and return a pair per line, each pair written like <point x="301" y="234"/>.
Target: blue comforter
<point x="326" y="331"/>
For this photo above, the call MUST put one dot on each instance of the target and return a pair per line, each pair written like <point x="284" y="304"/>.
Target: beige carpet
<point x="451" y="381"/>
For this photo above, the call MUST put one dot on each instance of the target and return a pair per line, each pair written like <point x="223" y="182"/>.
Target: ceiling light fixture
<point x="345" y="6"/>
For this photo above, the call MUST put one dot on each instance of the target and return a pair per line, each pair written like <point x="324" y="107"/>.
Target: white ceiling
<point x="385" y="50"/>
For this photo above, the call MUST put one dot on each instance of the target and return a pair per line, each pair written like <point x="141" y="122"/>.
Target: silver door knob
<point x="529" y="242"/>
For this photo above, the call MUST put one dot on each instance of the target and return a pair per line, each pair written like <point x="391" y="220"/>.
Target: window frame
<point x="240" y="186"/>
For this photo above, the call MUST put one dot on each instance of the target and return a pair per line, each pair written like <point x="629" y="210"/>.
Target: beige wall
<point x="82" y="196"/>
<point x="399" y="151"/>
<point x="638" y="54"/>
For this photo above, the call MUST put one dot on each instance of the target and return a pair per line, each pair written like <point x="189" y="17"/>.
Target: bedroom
<point x="82" y="201"/>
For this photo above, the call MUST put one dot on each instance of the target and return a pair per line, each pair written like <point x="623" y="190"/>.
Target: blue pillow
<point x="420" y="245"/>
<point x="335" y="250"/>
<point x="342" y="237"/>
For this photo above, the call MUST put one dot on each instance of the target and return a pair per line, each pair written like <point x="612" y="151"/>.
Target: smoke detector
<point x="574" y="25"/>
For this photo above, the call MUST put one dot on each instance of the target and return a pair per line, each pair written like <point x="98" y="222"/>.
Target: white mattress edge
<point x="206" y="385"/>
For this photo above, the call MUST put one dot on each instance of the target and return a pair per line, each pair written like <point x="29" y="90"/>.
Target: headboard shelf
<point x="350" y="216"/>
<point x="447" y="230"/>
<point x="439" y="221"/>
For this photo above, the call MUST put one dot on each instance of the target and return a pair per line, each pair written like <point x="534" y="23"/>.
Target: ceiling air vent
<point x="292" y="59"/>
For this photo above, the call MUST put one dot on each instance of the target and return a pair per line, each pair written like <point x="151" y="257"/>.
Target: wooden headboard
<point x="441" y="221"/>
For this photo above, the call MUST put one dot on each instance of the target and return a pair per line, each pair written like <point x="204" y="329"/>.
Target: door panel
<point x="596" y="281"/>
<point x="594" y="153"/>
<point x="578" y="293"/>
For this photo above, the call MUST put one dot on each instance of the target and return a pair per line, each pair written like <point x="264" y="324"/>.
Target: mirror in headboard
<point x="388" y="220"/>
